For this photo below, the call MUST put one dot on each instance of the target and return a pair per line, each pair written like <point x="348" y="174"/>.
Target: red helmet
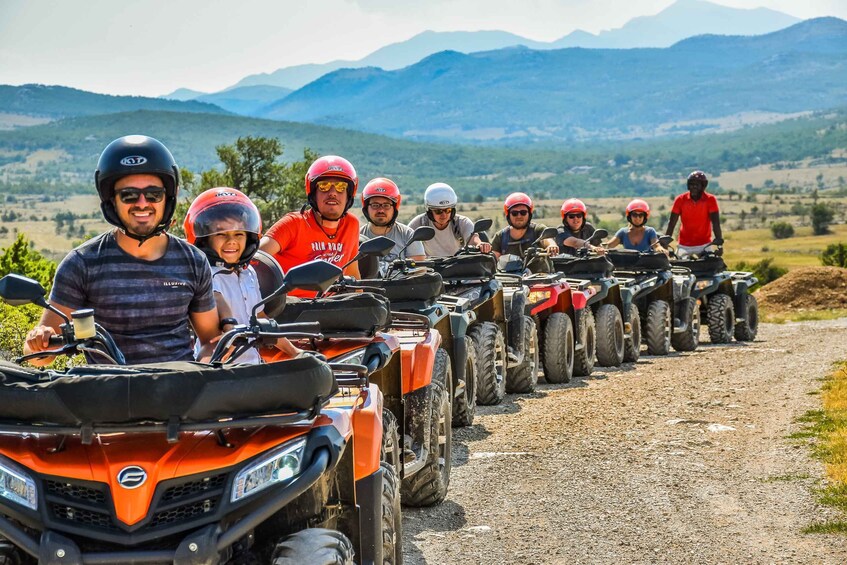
<point x="331" y="166"/>
<point x="638" y="205"/>
<point x="516" y="199"/>
<point x="385" y="188"/>
<point x="219" y="210"/>
<point x="698" y="177"/>
<point x="572" y="205"/>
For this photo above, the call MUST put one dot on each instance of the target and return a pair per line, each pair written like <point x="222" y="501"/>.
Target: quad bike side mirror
<point x="599" y="236"/>
<point x="548" y="233"/>
<point x="422" y="233"/>
<point x="17" y="290"/>
<point x="665" y="241"/>
<point x="376" y="247"/>
<point x="482" y="225"/>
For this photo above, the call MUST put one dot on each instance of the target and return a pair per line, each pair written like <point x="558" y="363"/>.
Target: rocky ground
<point x="677" y="459"/>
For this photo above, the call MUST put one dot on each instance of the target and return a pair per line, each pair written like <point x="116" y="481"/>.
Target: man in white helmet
<point x="452" y="231"/>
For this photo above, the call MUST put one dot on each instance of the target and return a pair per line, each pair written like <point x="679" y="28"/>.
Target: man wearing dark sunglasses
<point x="144" y="284"/>
<point x="521" y="233"/>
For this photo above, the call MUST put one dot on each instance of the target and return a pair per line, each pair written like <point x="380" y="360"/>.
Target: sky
<point x="153" y="47"/>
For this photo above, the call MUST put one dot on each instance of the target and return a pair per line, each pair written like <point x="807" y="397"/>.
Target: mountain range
<point x="525" y="95"/>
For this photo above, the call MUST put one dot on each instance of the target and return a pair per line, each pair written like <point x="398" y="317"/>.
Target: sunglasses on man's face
<point x="131" y="195"/>
<point x="440" y="211"/>
<point x="326" y="185"/>
<point x="518" y="212"/>
<point x="638" y="214"/>
<point x="573" y="216"/>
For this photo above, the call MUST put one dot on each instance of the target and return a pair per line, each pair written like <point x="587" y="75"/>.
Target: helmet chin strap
<point x="142" y="238"/>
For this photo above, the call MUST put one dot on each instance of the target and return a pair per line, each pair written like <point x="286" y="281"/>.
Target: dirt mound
<point x="808" y="288"/>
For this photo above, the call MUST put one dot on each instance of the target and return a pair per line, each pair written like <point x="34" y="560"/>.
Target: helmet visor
<point x="227" y="217"/>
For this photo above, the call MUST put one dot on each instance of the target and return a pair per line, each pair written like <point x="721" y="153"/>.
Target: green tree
<point x="782" y="230"/>
<point x="764" y="270"/>
<point x="821" y="216"/>
<point x="835" y="255"/>
<point x="251" y="165"/>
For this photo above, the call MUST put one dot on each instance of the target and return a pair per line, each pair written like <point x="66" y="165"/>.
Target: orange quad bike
<point x="404" y="357"/>
<point x="190" y="463"/>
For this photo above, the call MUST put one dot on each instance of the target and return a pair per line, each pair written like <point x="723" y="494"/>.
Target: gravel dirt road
<point x="677" y="459"/>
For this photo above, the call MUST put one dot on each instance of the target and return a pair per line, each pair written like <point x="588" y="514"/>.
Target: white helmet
<point x="440" y="195"/>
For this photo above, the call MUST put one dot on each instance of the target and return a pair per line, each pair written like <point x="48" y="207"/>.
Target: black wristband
<point x="225" y="321"/>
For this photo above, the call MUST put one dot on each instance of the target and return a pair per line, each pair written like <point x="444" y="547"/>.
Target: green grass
<point x="825" y="431"/>
<point x="802" y="315"/>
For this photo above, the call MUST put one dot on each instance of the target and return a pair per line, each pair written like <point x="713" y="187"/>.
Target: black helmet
<point x="698" y="178"/>
<point x="136" y="155"/>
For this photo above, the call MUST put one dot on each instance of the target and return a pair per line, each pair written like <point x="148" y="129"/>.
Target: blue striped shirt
<point x="144" y="305"/>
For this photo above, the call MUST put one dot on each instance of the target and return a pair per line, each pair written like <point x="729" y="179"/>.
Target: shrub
<point x="835" y="255"/>
<point x="782" y="230"/>
<point x="821" y="216"/>
<point x="764" y="270"/>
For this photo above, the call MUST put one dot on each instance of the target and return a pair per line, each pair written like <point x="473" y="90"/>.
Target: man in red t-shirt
<point x="324" y="230"/>
<point x="700" y="217"/>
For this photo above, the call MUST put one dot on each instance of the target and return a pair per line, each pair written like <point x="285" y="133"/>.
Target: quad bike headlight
<point x="538" y="296"/>
<point x="17" y="486"/>
<point x="356" y="357"/>
<point x="280" y="465"/>
<point x="703" y="284"/>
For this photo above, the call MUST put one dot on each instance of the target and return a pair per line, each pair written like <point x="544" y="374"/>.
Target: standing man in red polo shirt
<point x="700" y="217"/>
<point x="325" y="230"/>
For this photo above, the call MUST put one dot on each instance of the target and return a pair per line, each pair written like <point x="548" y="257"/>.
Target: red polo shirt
<point x="694" y="216"/>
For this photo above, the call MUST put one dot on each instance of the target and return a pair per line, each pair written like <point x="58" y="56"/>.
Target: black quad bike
<point x="661" y="296"/>
<point x="724" y="301"/>
<point x="187" y="463"/>
<point x="614" y="326"/>
<point x="415" y="289"/>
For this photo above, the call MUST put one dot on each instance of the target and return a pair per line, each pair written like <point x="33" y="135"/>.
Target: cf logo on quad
<point x="132" y="477"/>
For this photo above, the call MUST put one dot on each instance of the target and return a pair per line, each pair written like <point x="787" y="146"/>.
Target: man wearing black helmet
<point x="144" y="284"/>
<point x="700" y="215"/>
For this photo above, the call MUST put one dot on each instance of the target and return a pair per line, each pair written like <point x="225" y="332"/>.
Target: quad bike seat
<point x="187" y="392"/>
<point x="636" y="261"/>
<point x="462" y="267"/>
<point x="354" y="313"/>
<point x="412" y="293"/>
<point x="597" y="265"/>
<point x="702" y="267"/>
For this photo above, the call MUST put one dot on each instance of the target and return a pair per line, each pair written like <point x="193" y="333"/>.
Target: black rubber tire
<point x="316" y="546"/>
<point x="517" y="306"/>
<point x="429" y="485"/>
<point x="632" y="343"/>
<point x="392" y="523"/>
<point x="721" y="317"/>
<point x="583" y="358"/>
<point x="491" y="363"/>
<point x="690" y="338"/>
<point x="558" y="347"/>
<point x="389" y="451"/>
<point x="464" y="405"/>
<point x="610" y="336"/>
<point x="522" y="379"/>
<point x="658" y="328"/>
<point x="747" y="329"/>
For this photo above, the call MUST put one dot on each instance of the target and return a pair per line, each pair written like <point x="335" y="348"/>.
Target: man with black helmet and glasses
<point x="144" y="284"/>
<point x="701" y="219"/>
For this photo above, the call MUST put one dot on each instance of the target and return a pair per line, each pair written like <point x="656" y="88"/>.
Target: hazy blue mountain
<point x="61" y="101"/>
<point x="183" y="94"/>
<point x="518" y="93"/>
<point x="246" y="100"/>
<point x="682" y="19"/>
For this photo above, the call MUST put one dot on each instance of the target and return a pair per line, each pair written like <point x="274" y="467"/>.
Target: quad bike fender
<point x="369" y="503"/>
<point x="367" y="432"/>
<point x="459" y="324"/>
<point x="418" y="358"/>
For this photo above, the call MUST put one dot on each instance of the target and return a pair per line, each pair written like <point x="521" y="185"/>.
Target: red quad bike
<point x="189" y="463"/>
<point x="471" y="275"/>
<point x="417" y="290"/>
<point x="613" y="326"/>
<point x="404" y="358"/>
<point x="550" y="311"/>
<point x="722" y="298"/>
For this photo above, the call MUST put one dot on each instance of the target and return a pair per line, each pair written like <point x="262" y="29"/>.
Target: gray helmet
<point x="136" y="155"/>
